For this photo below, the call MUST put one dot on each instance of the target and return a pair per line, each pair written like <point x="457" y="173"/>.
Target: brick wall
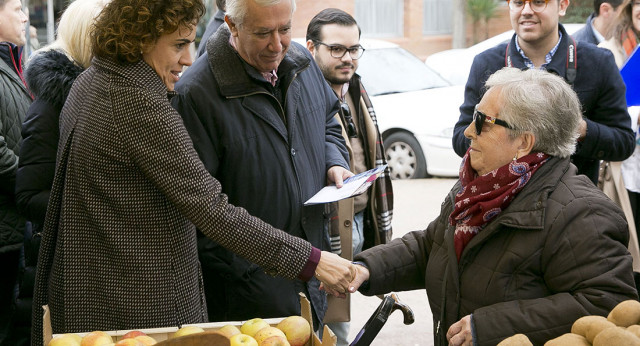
<point x="413" y="39"/>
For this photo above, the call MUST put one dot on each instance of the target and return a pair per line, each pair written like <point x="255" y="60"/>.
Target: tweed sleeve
<point x="161" y="147"/>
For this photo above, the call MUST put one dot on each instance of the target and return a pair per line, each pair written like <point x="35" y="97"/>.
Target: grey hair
<point x="542" y="103"/>
<point x="237" y="9"/>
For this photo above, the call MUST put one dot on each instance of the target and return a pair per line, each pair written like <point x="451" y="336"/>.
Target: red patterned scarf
<point x="629" y="41"/>
<point x="482" y="198"/>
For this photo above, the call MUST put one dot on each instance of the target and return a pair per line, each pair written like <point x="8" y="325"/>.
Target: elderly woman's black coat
<point x="556" y="253"/>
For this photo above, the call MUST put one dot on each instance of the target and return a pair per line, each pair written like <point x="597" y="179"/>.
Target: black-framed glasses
<point x="352" y="131"/>
<point x="480" y="118"/>
<point x="536" y="5"/>
<point x="338" y="51"/>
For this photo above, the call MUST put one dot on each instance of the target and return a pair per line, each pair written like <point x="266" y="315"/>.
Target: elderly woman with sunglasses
<point x="523" y="244"/>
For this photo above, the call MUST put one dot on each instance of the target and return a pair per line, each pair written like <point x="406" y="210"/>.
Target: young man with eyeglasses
<point x="541" y="42"/>
<point x="333" y="38"/>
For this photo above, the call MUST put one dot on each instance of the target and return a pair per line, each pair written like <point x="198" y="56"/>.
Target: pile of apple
<point x="99" y="338"/>
<point x="291" y="331"/>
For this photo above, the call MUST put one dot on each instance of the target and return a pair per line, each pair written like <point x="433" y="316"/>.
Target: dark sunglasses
<point x="351" y="127"/>
<point x="480" y="118"/>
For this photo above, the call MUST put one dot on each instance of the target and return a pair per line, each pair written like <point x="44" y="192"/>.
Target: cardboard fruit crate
<point x="164" y="333"/>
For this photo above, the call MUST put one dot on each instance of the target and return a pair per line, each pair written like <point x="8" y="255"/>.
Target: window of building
<point x="380" y="18"/>
<point x="438" y="15"/>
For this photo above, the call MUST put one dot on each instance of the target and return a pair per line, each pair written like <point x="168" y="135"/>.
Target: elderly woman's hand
<point x="460" y="332"/>
<point x="362" y="275"/>
<point x="335" y="274"/>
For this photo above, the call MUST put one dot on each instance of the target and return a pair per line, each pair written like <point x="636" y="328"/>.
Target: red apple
<point x="267" y="332"/>
<point x="133" y="334"/>
<point x="275" y="340"/>
<point x="96" y="338"/>
<point x="297" y="330"/>
<point x="129" y="342"/>
<point x="146" y="340"/>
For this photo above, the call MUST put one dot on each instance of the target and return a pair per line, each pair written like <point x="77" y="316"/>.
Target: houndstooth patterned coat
<point x="119" y="245"/>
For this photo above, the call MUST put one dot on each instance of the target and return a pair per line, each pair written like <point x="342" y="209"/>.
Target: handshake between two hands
<point x="338" y="276"/>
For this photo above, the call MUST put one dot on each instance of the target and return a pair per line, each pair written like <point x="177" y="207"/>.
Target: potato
<point x="616" y="336"/>
<point x="581" y="325"/>
<point x="626" y="313"/>
<point x="635" y="329"/>
<point x="568" y="339"/>
<point x="596" y="327"/>
<point x="516" y="340"/>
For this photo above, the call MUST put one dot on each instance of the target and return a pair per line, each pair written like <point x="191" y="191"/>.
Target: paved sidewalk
<point x="416" y="203"/>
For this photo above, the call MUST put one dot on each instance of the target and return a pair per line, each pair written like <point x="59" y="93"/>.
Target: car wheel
<point x="404" y="156"/>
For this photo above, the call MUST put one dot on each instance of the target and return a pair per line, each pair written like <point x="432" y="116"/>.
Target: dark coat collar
<point x="50" y="75"/>
<point x="225" y="63"/>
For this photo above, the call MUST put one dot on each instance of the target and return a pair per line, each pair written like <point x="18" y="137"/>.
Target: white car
<point x="416" y="111"/>
<point x="454" y="64"/>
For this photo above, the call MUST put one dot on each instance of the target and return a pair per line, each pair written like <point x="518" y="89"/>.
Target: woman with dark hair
<point x="119" y="244"/>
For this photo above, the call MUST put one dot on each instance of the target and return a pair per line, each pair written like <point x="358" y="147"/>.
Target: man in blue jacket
<point x="261" y="117"/>
<point x="600" y="23"/>
<point x="541" y="42"/>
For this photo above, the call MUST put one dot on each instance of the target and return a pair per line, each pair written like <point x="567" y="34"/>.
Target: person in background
<point x="625" y="39"/>
<point x="600" y="23"/>
<point x="214" y="23"/>
<point x="540" y="42"/>
<point x="261" y="117"/>
<point x="523" y="244"/>
<point x="49" y="75"/>
<point x="14" y="102"/>
<point x="119" y="248"/>
<point x="333" y="38"/>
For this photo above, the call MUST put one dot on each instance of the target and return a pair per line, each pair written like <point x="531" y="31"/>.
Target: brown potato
<point x="568" y="339"/>
<point x="635" y="329"/>
<point x="626" y="313"/>
<point x="516" y="340"/>
<point x="581" y="325"/>
<point x="616" y="336"/>
<point x="596" y="327"/>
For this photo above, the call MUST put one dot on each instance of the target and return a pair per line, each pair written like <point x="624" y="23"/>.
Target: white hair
<point x="542" y="103"/>
<point x="237" y="9"/>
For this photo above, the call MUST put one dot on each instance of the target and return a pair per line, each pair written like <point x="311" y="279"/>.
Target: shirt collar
<point x="596" y="33"/>
<point x="547" y="58"/>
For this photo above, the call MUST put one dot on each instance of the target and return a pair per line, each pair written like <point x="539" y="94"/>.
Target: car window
<point x="395" y="70"/>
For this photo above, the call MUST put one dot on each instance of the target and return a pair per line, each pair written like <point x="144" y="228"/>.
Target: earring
<point x="515" y="157"/>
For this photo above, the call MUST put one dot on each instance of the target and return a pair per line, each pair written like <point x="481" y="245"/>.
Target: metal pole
<point x="50" y="22"/>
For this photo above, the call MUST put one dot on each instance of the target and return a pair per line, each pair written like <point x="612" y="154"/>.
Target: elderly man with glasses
<point x="333" y="38"/>
<point x="541" y="42"/>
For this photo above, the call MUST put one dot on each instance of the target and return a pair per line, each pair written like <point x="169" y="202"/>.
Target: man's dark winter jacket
<point x="586" y="34"/>
<point x="556" y="253"/>
<point x="14" y="102"/>
<point x="270" y="157"/>
<point x="600" y="89"/>
<point x="49" y="76"/>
